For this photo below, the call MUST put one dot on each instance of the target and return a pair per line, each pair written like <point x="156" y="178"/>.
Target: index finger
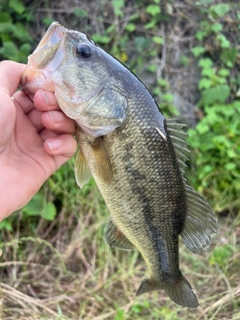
<point x="10" y="75"/>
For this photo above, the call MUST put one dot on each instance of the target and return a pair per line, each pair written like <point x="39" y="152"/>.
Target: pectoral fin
<point x="115" y="238"/>
<point x="100" y="160"/>
<point x="82" y="171"/>
<point x="92" y="160"/>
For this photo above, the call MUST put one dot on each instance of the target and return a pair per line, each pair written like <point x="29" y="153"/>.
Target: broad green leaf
<point x="101" y="38"/>
<point x="224" y="72"/>
<point x="49" y="213"/>
<point x="197" y="51"/>
<point x="17" y="6"/>
<point x="26" y="49"/>
<point x="229" y="55"/>
<point x="220" y="9"/>
<point x="158" y="40"/>
<point x="205" y="63"/>
<point x="10" y="51"/>
<point x="141" y="43"/>
<point x="130" y="27"/>
<point x="204" y="83"/>
<point x="153" y="9"/>
<point x="21" y="33"/>
<point x="35" y="206"/>
<point x="5" y="225"/>
<point x="224" y="42"/>
<point x="216" y="27"/>
<point x="5" y="22"/>
<point x="117" y="6"/>
<point x="219" y="93"/>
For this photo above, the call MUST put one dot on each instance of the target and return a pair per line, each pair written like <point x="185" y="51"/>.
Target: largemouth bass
<point x="135" y="155"/>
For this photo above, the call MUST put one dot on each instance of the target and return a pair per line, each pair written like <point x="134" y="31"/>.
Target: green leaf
<point x="26" y="49"/>
<point x="216" y="27"/>
<point x="205" y="63"/>
<point x="21" y="33"/>
<point x="141" y="43"/>
<point x="50" y="212"/>
<point x="101" y="38"/>
<point x="5" y="225"/>
<point x="220" y="255"/>
<point x="153" y="9"/>
<point x="150" y="25"/>
<point x="220" y="9"/>
<point x="204" y="83"/>
<point x="47" y="21"/>
<point x="17" y="6"/>
<point x="158" y="40"/>
<point x="5" y="22"/>
<point x="219" y="93"/>
<point x="230" y="166"/>
<point x="229" y="55"/>
<point x="224" y="72"/>
<point x="10" y="51"/>
<point x="35" y="206"/>
<point x="224" y="43"/>
<point x="197" y="51"/>
<point x="209" y="72"/>
<point x="200" y="35"/>
<point x="130" y="27"/>
<point x="117" y="6"/>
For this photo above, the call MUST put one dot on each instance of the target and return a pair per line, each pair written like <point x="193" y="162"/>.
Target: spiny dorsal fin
<point x="200" y="222"/>
<point x="178" y="139"/>
<point x="115" y="238"/>
<point x="82" y="171"/>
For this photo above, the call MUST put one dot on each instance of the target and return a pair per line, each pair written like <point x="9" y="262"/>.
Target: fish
<point x="135" y="155"/>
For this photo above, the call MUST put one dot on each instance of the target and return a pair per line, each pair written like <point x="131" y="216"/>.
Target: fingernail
<point x="51" y="114"/>
<point x="54" y="144"/>
<point x="45" y="97"/>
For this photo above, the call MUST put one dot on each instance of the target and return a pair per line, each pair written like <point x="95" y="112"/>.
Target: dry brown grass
<point x="70" y="273"/>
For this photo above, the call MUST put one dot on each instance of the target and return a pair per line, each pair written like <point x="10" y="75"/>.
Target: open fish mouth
<point x="44" y="60"/>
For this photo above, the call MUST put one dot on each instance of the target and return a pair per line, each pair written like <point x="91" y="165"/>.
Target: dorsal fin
<point x="178" y="137"/>
<point x="200" y="220"/>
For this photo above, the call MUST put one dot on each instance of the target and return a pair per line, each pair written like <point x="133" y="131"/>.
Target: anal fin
<point x="115" y="238"/>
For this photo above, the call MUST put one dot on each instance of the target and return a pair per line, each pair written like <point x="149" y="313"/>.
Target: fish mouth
<point x="44" y="60"/>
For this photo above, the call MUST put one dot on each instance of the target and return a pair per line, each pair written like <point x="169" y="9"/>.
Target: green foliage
<point x="221" y="255"/>
<point x="216" y="137"/>
<point x="15" y="40"/>
<point x="38" y="206"/>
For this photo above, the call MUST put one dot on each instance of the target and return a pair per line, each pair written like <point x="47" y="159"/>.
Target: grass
<point x="64" y="270"/>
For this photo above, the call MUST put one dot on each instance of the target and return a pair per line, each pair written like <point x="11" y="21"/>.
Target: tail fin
<point x="180" y="291"/>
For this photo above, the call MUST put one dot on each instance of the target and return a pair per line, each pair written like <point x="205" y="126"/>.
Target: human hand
<point x="36" y="138"/>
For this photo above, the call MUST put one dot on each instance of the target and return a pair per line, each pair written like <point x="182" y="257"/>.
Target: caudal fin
<point x="180" y="292"/>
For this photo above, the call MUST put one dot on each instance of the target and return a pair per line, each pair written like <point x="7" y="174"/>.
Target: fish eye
<point x="83" y="51"/>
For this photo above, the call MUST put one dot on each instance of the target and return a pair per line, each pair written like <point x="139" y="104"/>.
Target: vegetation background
<point x="54" y="262"/>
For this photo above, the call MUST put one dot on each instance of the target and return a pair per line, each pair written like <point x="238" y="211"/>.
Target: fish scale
<point x="132" y="197"/>
<point x="136" y="156"/>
